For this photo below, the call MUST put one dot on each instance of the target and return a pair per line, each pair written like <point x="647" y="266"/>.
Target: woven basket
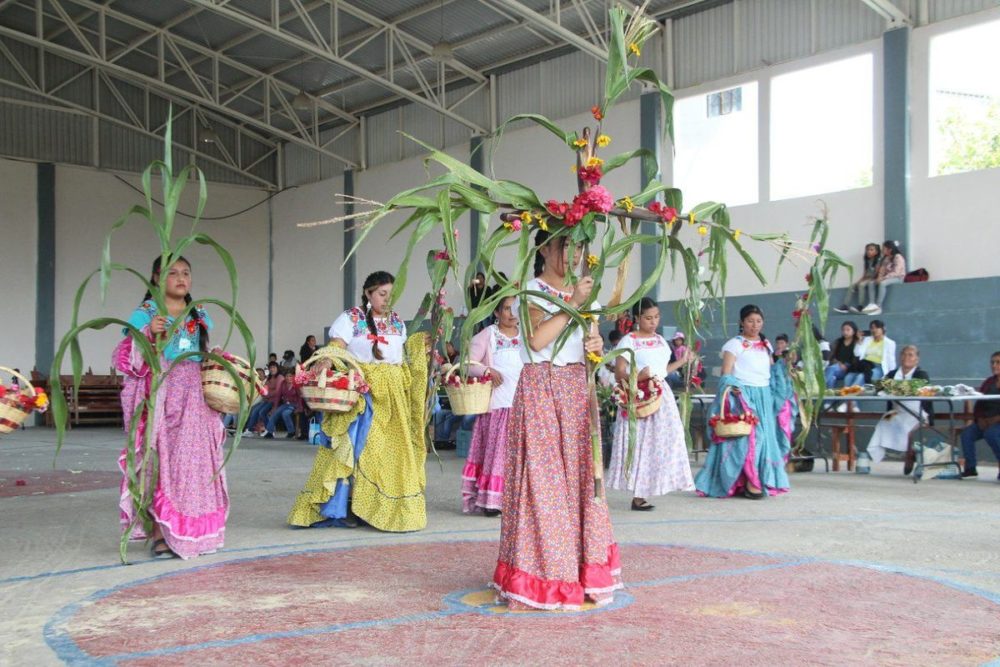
<point x="320" y="395"/>
<point x="12" y="413"/>
<point x="468" y="399"/>
<point x="648" y="406"/>
<point x="221" y="394"/>
<point x="733" y="429"/>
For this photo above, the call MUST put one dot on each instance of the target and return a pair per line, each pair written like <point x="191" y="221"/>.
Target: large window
<point x="965" y="100"/>
<point x="821" y="128"/>
<point x="716" y="135"/>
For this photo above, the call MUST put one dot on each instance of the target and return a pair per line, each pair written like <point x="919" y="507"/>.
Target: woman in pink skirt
<point x="556" y="544"/>
<point x="190" y="502"/>
<point x="498" y="348"/>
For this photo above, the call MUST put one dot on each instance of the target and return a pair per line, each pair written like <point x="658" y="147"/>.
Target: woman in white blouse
<point x="660" y="460"/>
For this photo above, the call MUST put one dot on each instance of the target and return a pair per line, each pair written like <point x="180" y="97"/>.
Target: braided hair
<point x="641" y="306"/>
<point x="154" y="278"/>
<point x="374" y="281"/>
<point x="541" y="236"/>
<point x="748" y="310"/>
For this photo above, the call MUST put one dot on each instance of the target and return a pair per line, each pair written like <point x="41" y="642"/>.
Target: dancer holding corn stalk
<point x="190" y="502"/>
<point x="373" y="456"/>
<point x="660" y="463"/>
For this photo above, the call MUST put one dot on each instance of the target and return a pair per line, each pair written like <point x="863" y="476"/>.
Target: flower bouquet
<point x="221" y="392"/>
<point x="647" y="398"/>
<point x="728" y="425"/>
<point x="900" y="387"/>
<point x="19" y="402"/>
<point x="335" y="389"/>
<point x="469" y="395"/>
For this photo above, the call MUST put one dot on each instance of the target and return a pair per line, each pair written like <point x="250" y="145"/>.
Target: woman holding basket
<point x="373" y="454"/>
<point x="497" y="348"/>
<point x="751" y="390"/>
<point x="660" y="461"/>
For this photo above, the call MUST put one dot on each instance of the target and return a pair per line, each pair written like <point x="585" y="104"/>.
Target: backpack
<point x="917" y="276"/>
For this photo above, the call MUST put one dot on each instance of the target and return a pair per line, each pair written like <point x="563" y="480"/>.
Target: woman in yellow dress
<point x="373" y="456"/>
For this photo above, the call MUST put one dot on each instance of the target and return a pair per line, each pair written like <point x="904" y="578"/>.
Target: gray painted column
<point x="45" y="285"/>
<point x="650" y="129"/>
<point x="896" y="132"/>
<point x="350" y="267"/>
<point x="476" y="160"/>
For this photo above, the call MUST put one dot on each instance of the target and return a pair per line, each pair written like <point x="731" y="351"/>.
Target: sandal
<point x="161" y="554"/>
<point x="747" y="493"/>
<point x="641" y="507"/>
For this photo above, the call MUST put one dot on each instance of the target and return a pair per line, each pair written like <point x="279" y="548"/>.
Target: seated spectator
<point x="891" y="271"/>
<point x="447" y="424"/>
<point x="894" y="428"/>
<point x="824" y="345"/>
<point x="780" y="346"/>
<point x="875" y="355"/>
<point x="985" y="422"/>
<point x="289" y="404"/>
<point x="287" y="362"/>
<point x="842" y="354"/>
<point x="260" y="412"/>
<point x="272" y="357"/>
<point x="308" y="349"/>
<point x="679" y="350"/>
<point x="873" y="256"/>
<point x="229" y="421"/>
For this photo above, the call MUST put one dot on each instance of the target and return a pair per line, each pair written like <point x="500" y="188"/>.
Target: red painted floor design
<point x="418" y="604"/>
<point x="48" y="482"/>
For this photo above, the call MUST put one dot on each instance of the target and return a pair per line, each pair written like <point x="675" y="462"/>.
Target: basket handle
<point x="455" y="367"/>
<point x="724" y="408"/>
<point x="334" y="356"/>
<point x="27" y="383"/>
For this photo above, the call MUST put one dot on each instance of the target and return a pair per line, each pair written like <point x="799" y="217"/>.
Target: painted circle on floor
<point x="427" y="603"/>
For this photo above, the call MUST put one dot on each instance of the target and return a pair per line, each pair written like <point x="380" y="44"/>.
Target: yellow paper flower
<point x="634" y="48"/>
<point x="593" y="357"/>
<point x="736" y="234"/>
<point x="691" y="218"/>
<point x="627" y="204"/>
<point x="587" y="316"/>
<point x="572" y="168"/>
<point x="702" y="229"/>
<point x="580" y="143"/>
<point x="592" y="261"/>
<point x="603" y="140"/>
<point x="543" y="224"/>
<point x="595" y="162"/>
<point x="41" y="400"/>
<point x="508" y="226"/>
<point x="526" y="217"/>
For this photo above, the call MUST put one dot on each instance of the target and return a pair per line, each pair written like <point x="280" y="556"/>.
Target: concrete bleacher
<point x="953" y="322"/>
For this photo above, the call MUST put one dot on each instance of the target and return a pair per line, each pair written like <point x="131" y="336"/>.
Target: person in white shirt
<point x="659" y="462"/>
<point x="894" y="428"/>
<point x="498" y="349"/>
<point x="556" y="544"/>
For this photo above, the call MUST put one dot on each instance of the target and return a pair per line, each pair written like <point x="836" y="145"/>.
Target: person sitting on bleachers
<point x="985" y="422"/>
<point x="894" y="428"/>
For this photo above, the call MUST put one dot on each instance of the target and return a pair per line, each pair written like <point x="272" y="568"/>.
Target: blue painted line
<point x="493" y="530"/>
<point x="66" y="649"/>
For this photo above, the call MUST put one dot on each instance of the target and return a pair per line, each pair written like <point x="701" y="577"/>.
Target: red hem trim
<point x="553" y="593"/>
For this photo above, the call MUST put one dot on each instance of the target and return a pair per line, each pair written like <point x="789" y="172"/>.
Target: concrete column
<point x="478" y="162"/>
<point x="350" y="268"/>
<point x="896" y="132"/>
<point x="45" y="284"/>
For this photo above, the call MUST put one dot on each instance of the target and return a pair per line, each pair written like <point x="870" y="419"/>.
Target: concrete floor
<point x="59" y="543"/>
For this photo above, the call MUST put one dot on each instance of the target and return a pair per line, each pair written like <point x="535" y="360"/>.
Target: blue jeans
<point x="970" y="434"/>
<point x="858" y="379"/>
<point x="834" y="374"/>
<point x="445" y="425"/>
<point x="258" y="413"/>
<point x="285" y="412"/>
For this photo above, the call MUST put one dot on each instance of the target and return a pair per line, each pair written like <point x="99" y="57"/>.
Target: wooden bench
<point x="98" y="401"/>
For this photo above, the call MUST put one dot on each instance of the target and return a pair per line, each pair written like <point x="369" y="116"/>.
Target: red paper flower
<point x="666" y="213"/>
<point x="556" y="208"/>
<point x="192" y="326"/>
<point x="597" y="113"/>
<point x="590" y="175"/>
<point x="3" y="391"/>
<point x="442" y="255"/>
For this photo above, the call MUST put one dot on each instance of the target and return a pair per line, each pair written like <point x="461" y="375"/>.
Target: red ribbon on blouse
<point x="378" y="339"/>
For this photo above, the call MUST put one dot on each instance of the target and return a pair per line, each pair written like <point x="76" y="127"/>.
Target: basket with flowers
<point x="470" y="395"/>
<point x="647" y="398"/>
<point x="221" y="393"/>
<point x="728" y="424"/>
<point x="19" y="401"/>
<point x="334" y="389"/>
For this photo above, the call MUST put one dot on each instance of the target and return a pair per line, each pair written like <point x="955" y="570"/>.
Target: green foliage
<point x="971" y="143"/>
<point x="141" y="472"/>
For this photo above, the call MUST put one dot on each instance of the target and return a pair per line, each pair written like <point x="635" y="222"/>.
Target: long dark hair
<point x="894" y="247"/>
<point x="854" y="331"/>
<point x="154" y="277"/>
<point x="541" y="236"/>
<point x="872" y="262"/>
<point x="374" y="280"/>
<point x="641" y="306"/>
<point x="748" y="310"/>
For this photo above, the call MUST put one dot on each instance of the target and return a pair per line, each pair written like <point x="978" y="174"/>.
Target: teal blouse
<point x="186" y="339"/>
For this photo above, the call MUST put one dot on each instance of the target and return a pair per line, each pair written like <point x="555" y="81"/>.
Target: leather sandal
<point x="161" y="554"/>
<point x="641" y="507"/>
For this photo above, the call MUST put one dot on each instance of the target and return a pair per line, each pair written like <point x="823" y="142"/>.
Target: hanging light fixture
<point x="207" y="135"/>
<point x="301" y="101"/>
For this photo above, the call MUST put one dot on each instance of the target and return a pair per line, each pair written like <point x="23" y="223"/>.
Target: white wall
<point x="954" y="220"/>
<point x="308" y="280"/>
<point x="18" y="252"/>
<point x="88" y="202"/>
